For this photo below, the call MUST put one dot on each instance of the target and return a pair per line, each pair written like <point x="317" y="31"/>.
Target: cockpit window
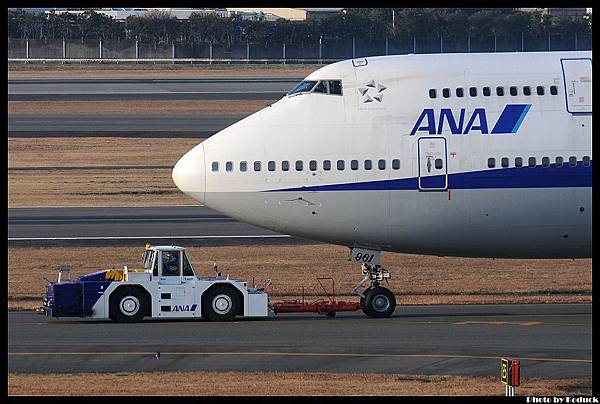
<point x="303" y="87"/>
<point x="323" y="87"/>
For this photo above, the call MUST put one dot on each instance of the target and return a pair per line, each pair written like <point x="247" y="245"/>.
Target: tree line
<point x="371" y="24"/>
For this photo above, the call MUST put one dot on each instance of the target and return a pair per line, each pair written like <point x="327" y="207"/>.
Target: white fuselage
<point x="438" y="191"/>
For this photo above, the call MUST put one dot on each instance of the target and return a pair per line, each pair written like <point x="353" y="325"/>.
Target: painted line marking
<point x="104" y="206"/>
<point x="315" y="354"/>
<point x="155" y="92"/>
<point x="147" y="237"/>
<point x="521" y="323"/>
<point x="124" y="219"/>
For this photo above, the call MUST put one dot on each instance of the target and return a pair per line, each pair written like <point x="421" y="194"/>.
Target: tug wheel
<point x="379" y="302"/>
<point x="128" y="305"/>
<point x="220" y="303"/>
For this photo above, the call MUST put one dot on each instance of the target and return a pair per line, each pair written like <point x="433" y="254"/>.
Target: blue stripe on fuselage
<point x="523" y="177"/>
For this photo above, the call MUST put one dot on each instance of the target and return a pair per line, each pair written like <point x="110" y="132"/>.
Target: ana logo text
<point x="508" y="122"/>
<point x="184" y="308"/>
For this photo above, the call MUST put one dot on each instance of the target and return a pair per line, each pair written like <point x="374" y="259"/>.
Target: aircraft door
<point x="577" y="74"/>
<point x="433" y="173"/>
<point x="176" y="290"/>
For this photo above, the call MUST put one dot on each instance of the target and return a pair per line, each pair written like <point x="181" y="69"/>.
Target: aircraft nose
<point x="189" y="173"/>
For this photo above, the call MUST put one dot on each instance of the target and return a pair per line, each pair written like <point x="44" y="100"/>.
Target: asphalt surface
<point x="118" y="125"/>
<point x="551" y="340"/>
<point x="96" y="89"/>
<point x="118" y="226"/>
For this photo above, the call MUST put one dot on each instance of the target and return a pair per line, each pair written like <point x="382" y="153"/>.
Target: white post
<point x="284" y="53"/>
<point x="469" y="43"/>
<point x="210" y="53"/>
<point x="247" y="51"/>
<point x="173" y="52"/>
<point x="64" y="50"/>
<point x="100" y="48"/>
<point x="320" y="49"/>
<point x="27" y="48"/>
<point x="414" y="44"/>
<point x="137" y="51"/>
<point x="386" y="45"/>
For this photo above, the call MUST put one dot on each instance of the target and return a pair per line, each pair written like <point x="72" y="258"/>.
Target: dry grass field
<point x="416" y="279"/>
<point x="163" y="70"/>
<point x="288" y="384"/>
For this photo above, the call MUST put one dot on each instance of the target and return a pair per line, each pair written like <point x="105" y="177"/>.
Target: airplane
<point x="470" y="155"/>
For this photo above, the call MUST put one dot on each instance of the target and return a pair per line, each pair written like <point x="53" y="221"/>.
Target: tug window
<point x="285" y="165"/>
<point x="573" y="161"/>
<point x="243" y="166"/>
<point x="312" y="165"/>
<point x="486" y="92"/>
<point x="526" y="90"/>
<point x="271" y="165"/>
<point x="381" y="164"/>
<point x="491" y="162"/>
<point x="340" y="165"/>
<point x="531" y="162"/>
<point x="187" y="267"/>
<point x="432" y="93"/>
<point x="368" y="164"/>
<point x="303" y="87"/>
<point x="473" y="91"/>
<point x="518" y="162"/>
<point x="229" y="166"/>
<point x="335" y="87"/>
<point x="326" y="165"/>
<point x="504" y="162"/>
<point x="559" y="162"/>
<point x="257" y="166"/>
<point x="395" y="164"/>
<point x="215" y="166"/>
<point x="299" y="165"/>
<point x="170" y="263"/>
<point x="354" y="164"/>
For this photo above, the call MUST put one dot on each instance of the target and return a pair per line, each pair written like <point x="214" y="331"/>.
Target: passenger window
<point x="271" y="165"/>
<point x="257" y="166"/>
<point x="354" y="164"/>
<point x="460" y="92"/>
<point x="381" y="164"/>
<point x="335" y="87"/>
<point x="500" y="91"/>
<point x="432" y="93"/>
<point x="320" y="88"/>
<point x="491" y="162"/>
<point x="312" y="165"/>
<point x="573" y="161"/>
<point x="531" y="162"/>
<point x="229" y="166"/>
<point x="170" y="263"/>
<point x="340" y="165"/>
<point x="526" y="90"/>
<point x="473" y="91"/>
<point x="285" y="165"/>
<point x="586" y="161"/>
<point x="518" y="162"/>
<point x="439" y="163"/>
<point x="215" y="166"/>
<point x="395" y="164"/>
<point x="368" y="164"/>
<point x="553" y="90"/>
<point x="243" y="166"/>
<point x="326" y="165"/>
<point x="486" y="92"/>
<point x="299" y="165"/>
<point x="513" y="91"/>
<point x="446" y="93"/>
<point x="540" y="90"/>
<point x="545" y="162"/>
<point x="559" y="162"/>
<point x="504" y="162"/>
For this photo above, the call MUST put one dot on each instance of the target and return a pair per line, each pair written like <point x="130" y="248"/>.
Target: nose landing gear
<point x="376" y="301"/>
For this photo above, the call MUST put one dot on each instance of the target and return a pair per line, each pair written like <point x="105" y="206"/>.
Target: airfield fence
<point x="321" y="50"/>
